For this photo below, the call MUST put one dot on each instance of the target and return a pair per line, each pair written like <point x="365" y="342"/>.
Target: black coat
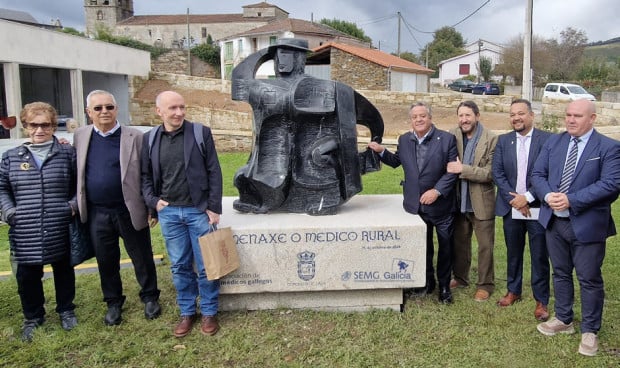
<point x="433" y="175"/>
<point x="35" y="202"/>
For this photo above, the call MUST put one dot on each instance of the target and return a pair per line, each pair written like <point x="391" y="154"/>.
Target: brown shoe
<point x="508" y="299"/>
<point x="209" y="325"/>
<point x="541" y="313"/>
<point x="456" y="284"/>
<point x="185" y="326"/>
<point x="481" y="295"/>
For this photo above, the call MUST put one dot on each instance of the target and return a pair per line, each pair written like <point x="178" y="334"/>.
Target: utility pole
<point x="189" y="55"/>
<point x="526" y="89"/>
<point x="398" y="49"/>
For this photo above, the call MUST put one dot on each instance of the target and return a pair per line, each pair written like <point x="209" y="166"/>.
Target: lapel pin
<point x="25" y="166"/>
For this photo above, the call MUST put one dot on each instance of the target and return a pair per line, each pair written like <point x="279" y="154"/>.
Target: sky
<point x="497" y="21"/>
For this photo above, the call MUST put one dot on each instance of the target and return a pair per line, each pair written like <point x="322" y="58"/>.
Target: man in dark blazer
<point x="109" y="199"/>
<point x="576" y="213"/>
<point x="182" y="185"/>
<point x="515" y="154"/>
<point x="428" y="189"/>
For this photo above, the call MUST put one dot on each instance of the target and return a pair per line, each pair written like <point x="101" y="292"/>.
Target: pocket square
<point x="594" y="158"/>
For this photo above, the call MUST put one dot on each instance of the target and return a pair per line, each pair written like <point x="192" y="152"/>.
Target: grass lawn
<point x="425" y="334"/>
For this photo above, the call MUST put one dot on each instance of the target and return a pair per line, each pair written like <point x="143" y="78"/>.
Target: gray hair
<point x="99" y="92"/>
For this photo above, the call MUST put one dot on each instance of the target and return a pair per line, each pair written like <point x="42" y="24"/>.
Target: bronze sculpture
<point x="304" y="157"/>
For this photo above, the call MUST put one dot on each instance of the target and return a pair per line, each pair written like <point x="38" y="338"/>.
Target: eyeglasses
<point x="107" y="107"/>
<point x="35" y="126"/>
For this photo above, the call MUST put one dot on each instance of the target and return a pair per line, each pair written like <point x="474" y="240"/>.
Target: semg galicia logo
<point x="401" y="269"/>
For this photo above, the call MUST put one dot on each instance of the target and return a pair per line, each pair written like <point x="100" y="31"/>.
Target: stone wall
<point x="357" y="72"/>
<point x="232" y="130"/>
<point x="175" y="62"/>
<point x="446" y="99"/>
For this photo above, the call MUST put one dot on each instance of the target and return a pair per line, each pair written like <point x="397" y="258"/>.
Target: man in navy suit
<point x="578" y="186"/>
<point x="429" y="191"/>
<point x="515" y="154"/>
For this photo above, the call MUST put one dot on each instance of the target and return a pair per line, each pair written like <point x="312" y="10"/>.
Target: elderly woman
<point x="37" y="197"/>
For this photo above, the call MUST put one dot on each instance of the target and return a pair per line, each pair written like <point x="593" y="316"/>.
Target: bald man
<point x="182" y="185"/>
<point x="577" y="174"/>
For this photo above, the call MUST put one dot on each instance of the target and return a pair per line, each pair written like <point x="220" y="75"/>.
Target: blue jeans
<point x="181" y="228"/>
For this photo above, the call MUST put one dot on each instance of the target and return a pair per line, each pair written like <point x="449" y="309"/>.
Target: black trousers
<point x="30" y="288"/>
<point x="106" y="226"/>
<point x="444" y="226"/>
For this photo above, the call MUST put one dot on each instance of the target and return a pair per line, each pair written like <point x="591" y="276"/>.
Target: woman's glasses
<point x="98" y="108"/>
<point x="35" y="126"/>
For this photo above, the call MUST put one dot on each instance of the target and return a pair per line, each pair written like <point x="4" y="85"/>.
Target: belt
<point x="561" y="218"/>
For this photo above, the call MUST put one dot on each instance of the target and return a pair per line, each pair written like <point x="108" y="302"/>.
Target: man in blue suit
<point x="428" y="190"/>
<point x="578" y="176"/>
<point x="515" y="154"/>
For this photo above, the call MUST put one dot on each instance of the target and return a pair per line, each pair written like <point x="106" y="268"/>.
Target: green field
<point x="425" y="334"/>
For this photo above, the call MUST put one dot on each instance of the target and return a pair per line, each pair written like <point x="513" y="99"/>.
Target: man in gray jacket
<point x="109" y="199"/>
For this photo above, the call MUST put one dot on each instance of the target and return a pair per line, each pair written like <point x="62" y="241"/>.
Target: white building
<point x="467" y="64"/>
<point x="61" y="69"/>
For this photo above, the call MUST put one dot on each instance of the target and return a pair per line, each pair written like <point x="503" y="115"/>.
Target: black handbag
<point x="81" y="246"/>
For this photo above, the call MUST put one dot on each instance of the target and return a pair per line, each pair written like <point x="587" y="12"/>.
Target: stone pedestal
<point x="359" y="259"/>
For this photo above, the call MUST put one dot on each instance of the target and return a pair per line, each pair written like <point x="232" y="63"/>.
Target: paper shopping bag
<point x="219" y="253"/>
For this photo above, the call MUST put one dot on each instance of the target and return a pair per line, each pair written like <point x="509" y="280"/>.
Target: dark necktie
<point x="569" y="168"/>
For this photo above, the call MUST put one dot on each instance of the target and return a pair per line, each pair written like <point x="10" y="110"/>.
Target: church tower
<point x="106" y="13"/>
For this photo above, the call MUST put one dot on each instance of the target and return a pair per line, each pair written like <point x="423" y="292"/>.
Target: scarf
<point x="468" y="159"/>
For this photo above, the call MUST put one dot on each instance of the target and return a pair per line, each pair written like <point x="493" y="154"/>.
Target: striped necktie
<point x="569" y="168"/>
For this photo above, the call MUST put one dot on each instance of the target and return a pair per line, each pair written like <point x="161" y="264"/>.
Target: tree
<point x="207" y="52"/>
<point x="346" y="27"/>
<point x="567" y="54"/>
<point x="409" y="56"/>
<point x="485" y="68"/>
<point x="446" y="43"/>
<point x="512" y="60"/>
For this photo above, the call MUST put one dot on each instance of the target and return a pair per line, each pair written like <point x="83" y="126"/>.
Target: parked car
<point x="486" y="88"/>
<point x="566" y="91"/>
<point x="461" y="85"/>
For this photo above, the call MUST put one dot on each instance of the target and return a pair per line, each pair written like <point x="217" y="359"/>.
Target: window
<point x="272" y="40"/>
<point x="203" y="31"/>
<point x="99" y="15"/>
<point x="106" y="2"/>
<point x="228" y="71"/>
<point x="93" y="2"/>
<point x="228" y="50"/>
<point x="240" y="45"/>
<point x="552" y="88"/>
<point x="463" y="69"/>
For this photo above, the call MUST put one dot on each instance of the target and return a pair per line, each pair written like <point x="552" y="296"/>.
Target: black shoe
<point x="152" y="309"/>
<point x="68" y="320"/>
<point x="445" y="295"/>
<point x="113" y="317"/>
<point x="430" y="287"/>
<point x="28" y="328"/>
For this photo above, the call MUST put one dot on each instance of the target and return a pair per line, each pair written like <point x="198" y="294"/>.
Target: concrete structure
<point x="58" y="68"/>
<point x="349" y="261"/>
<point x="367" y="68"/>
<point x="467" y="64"/>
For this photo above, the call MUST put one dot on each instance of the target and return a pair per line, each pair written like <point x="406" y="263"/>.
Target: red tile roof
<point x="297" y="26"/>
<point x="193" y="19"/>
<point x="377" y="56"/>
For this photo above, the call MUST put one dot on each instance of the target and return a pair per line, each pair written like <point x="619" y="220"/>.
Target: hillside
<point x="607" y="50"/>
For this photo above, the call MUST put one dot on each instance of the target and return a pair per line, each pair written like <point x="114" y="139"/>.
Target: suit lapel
<point x="413" y="141"/>
<point x="127" y="146"/>
<point x="589" y="149"/>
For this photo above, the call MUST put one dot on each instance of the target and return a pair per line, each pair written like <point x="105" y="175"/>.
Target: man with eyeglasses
<point x="109" y="199"/>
